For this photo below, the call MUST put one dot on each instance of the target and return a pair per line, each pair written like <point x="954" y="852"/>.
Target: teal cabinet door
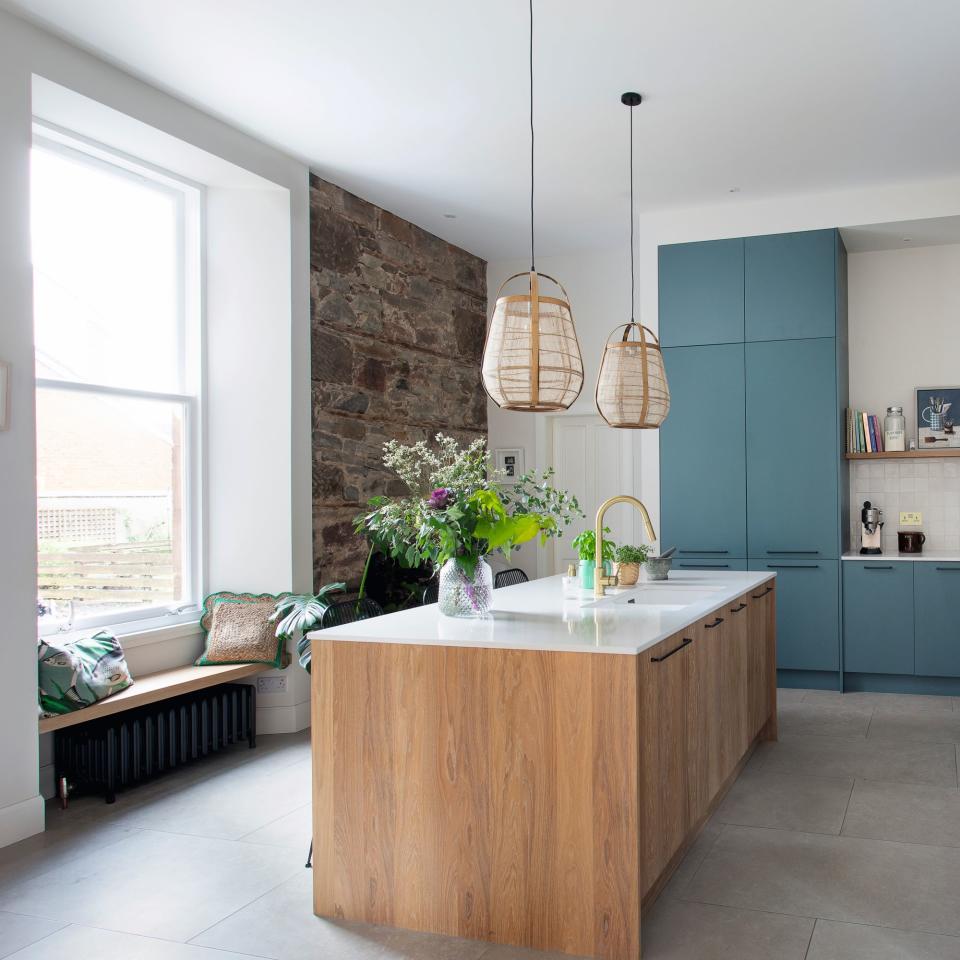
<point x="703" y="464"/>
<point x="793" y="449"/>
<point x="936" y="598"/>
<point x="790" y="285"/>
<point x="878" y="616"/>
<point x="701" y="293"/>
<point x="808" y="613"/>
<point x="709" y="563"/>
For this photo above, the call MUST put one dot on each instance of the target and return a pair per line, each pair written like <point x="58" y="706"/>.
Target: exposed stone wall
<point x="398" y="322"/>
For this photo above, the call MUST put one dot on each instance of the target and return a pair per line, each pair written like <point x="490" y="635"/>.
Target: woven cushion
<point x="74" y="674"/>
<point x="237" y="629"/>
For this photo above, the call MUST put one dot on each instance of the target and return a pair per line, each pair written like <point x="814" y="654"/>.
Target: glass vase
<point x="461" y="595"/>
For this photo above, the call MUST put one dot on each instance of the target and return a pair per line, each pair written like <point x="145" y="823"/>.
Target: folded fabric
<point x="73" y="674"/>
<point x="237" y="629"/>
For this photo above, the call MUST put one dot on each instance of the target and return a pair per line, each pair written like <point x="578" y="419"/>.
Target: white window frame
<point x="189" y="198"/>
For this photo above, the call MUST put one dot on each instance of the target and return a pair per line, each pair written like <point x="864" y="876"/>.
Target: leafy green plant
<point x="456" y="509"/>
<point x="629" y="554"/>
<point x="586" y="546"/>
<point x="300" y="613"/>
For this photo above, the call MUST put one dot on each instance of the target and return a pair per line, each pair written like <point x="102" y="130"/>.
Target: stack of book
<point x="864" y="434"/>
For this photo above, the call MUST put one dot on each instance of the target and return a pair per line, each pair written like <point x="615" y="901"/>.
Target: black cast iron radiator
<point x="122" y="750"/>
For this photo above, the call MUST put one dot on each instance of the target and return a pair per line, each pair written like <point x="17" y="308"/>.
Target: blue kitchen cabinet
<point x="790" y="285"/>
<point x="701" y="293"/>
<point x="702" y="454"/>
<point x="937" y="624"/>
<point x="878" y="627"/>
<point x="709" y="563"/>
<point x="793" y="449"/>
<point x="808" y="613"/>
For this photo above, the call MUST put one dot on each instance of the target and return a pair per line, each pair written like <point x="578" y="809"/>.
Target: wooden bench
<point x="151" y="688"/>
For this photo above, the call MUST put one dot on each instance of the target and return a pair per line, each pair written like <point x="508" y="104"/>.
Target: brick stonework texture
<point x="397" y="324"/>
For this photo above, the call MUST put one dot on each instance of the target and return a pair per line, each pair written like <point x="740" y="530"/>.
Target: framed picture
<point x="509" y="461"/>
<point x="938" y="410"/>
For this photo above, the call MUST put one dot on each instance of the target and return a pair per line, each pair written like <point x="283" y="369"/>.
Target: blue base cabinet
<point x="878" y="616"/>
<point x="709" y="563"/>
<point x="808" y="613"/>
<point x="937" y="597"/>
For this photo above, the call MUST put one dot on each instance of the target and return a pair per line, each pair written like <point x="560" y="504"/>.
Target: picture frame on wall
<point x="938" y="417"/>
<point x="510" y="462"/>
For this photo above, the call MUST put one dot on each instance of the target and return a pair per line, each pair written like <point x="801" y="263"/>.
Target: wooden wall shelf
<point x="907" y="454"/>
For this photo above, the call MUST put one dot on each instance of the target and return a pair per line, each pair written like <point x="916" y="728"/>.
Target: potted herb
<point x="456" y="513"/>
<point x="586" y="546"/>
<point x="629" y="560"/>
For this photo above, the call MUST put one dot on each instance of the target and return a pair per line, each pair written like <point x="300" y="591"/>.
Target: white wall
<point x="904" y="326"/>
<point x="273" y="532"/>
<point x="599" y="282"/>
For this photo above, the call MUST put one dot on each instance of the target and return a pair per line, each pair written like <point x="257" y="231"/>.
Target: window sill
<point x="140" y="633"/>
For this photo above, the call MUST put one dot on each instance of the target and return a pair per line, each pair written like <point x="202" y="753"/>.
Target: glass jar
<point x="463" y="595"/>
<point x="894" y="429"/>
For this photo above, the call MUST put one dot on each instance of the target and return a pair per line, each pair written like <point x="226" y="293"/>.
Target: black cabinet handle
<point x="704" y="553"/>
<point x="760" y="596"/>
<point x="704" y="566"/>
<point x="716" y="623"/>
<point x="878" y="568"/>
<point x="793" y="566"/>
<point x="946" y="569"/>
<point x="686" y="641"/>
<point x="742" y="606"/>
<point x="794" y="553"/>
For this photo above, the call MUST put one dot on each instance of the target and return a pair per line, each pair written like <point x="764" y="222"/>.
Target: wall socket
<point x="911" y="519"/>
<point x="271" y="684"/>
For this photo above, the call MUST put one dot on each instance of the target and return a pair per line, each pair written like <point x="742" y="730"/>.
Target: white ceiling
<point x="420" y="105"/>
<point x="902" y="235"/>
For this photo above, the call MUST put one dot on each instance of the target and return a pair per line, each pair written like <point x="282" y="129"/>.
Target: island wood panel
<point x="735" y="686"/>
<point x="760" y="704"/>
<point x="704" y="733"/>
<point x="483" y="793"/>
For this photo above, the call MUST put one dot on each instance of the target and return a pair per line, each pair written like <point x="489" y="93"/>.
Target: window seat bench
<point x="154" y="687"/>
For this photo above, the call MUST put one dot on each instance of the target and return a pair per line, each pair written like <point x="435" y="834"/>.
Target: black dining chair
<point x="509" y="578"/>
<point x="336" y="615"/>
<point x="431" y="593"/>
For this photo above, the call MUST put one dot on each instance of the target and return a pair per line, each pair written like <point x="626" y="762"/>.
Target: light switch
<point x="911" y="519"/>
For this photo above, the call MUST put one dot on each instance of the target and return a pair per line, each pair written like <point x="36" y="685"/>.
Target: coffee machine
<point x="871" y="523"/>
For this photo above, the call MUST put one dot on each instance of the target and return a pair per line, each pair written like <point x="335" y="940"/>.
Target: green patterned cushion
<point x="73" y="674"/>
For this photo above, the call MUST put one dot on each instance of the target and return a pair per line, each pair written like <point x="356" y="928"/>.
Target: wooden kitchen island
<point x="534" y="779"/>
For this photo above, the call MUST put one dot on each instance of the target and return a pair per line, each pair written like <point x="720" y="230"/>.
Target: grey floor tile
<point x="854" y="941"/>
<point x="678" y="930"/>
<point x="823" y="720"/>
<point x="909" y="812"/>
<point x="788" y="801"/>
<point x="901" y="702"/>
<point x="871" y="758"/>
<point x="907" y="886"/>
<point x="498" y="951"/>
<point x="17" y="931"/>
<point x="292" y="830"/>
<point x="698" y="851"/>
<point x="302" y="936"/>
<point x="918" y="728"/>
<point x="172" y="886"/>
<point x="86" y="943"/>
<point x="790" y="695"/>
<point x="228" y="806"/>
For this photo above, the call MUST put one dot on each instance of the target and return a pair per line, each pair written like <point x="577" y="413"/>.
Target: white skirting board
<point x="21" y="820"/>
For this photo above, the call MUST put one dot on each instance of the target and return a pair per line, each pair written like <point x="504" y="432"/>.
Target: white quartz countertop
<point x="910" y="557"/>
<point x="539" y="616"/>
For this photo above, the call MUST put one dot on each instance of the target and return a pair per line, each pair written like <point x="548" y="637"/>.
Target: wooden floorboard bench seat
<point x="153" y="687"/>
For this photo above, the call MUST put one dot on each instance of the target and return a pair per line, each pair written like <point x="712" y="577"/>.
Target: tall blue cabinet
<point x="751" y="467"/>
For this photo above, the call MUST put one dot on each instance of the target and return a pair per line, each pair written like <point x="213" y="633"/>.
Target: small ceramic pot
<point x="628" y="574"/>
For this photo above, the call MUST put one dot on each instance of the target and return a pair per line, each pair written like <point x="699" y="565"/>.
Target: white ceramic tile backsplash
<point x="930" y="486"/>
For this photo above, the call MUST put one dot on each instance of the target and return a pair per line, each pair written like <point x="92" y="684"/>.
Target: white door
<point x="594" y="462"/>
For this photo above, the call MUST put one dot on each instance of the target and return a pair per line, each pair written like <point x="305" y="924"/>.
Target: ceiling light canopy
<point x="531" y="359"/>
<point x="632" y="390"/>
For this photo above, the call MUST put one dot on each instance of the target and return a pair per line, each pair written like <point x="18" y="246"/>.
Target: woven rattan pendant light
<point x="632" y="391"/>
<point x="531" y="360"/>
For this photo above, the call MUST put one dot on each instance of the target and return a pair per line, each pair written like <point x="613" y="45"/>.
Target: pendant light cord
<point x="532" y="259"/>
<point x="633" y="295"/>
